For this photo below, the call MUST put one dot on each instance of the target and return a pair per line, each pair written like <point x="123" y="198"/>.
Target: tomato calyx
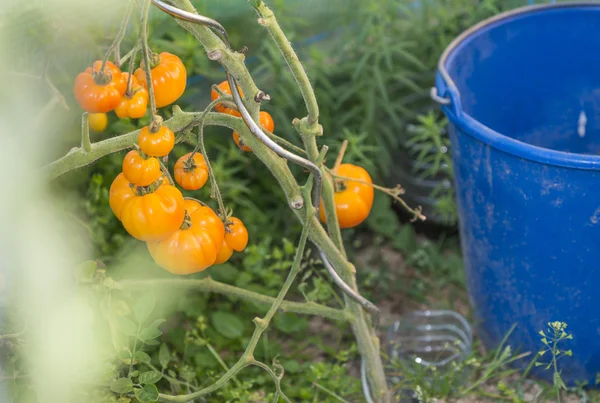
<point x="102" y="77"/>
<point x="189" y="164"/>
<point x="154" y="60"/>
<point x="155" y="125"/>
<point x="187" y="222"/>
<point x="227" y="220"/>
<point x="144" y="190"/>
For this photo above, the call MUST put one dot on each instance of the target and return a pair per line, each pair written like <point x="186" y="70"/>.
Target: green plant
<point x="555" y="333"/>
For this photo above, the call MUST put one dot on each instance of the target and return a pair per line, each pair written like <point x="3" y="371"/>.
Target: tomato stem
<point x="129" y="92"/>
<point x="120" y="35"/>
<point x="340" y="156"/>
<point x="154" y="124"/>
<point x="86" y="144"/>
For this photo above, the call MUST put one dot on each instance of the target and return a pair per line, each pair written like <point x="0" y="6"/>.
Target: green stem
<point x="268" y="20"/>
<point x="276" y="380"/>
<point x="77" y="157"/>
<point x="86" y="144"/>
<point x="214" y="186"/>
<point x="147" y="66"/>
<point x="309" y="129"/>
<point x="134" y="350"/>
<point x="120" y="34"/>
<point x="209" y="285"/>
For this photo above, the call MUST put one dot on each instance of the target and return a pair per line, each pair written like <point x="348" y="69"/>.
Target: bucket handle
<point x="433" y="93"/>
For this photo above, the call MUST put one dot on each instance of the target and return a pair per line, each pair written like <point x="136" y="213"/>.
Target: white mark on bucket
<point x="581" y="123"/>
<point x="595" y="218"/>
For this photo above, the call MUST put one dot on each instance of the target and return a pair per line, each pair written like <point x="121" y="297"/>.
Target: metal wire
<point x="368" y="305"/>
<point x="237" y="98"/>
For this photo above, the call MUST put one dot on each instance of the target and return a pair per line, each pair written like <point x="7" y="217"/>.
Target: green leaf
<point x="121" y="385"/>
<point x="149" y="334"/>
<point x="148" y="393"/>
<point x="135" y="374"/>
<point x="127" y="326"/>
<point x="164" y="355"/>
<point x="290" y="323"/>
<point x="291" y="366"/>
<point x="150" y="377"/>
<point x="86" y="271"/>
<point x="157" y="323"/>
<point x="227" y="324"/>
<point x="144" y="307"/>
<point x="142" y="357"/>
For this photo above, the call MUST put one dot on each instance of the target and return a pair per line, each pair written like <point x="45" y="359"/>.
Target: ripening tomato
<point x="236" y="239"/>
<point x="135" y="100"/>
<point x="154" y="216"/>
<point x="354" y="200"/>
<point x="156" y="144"/>
<point x="141" y="170"/>
<point x="169" y="78"/>
<point x="191" y="205"/>
<point x="191" y="174"/>
<point x="224" y="86"/>
<point x="98" y="92"/>
<point x="120" y="192"/>
<point x="194" y="247"/>
<point x="98" y="121"/>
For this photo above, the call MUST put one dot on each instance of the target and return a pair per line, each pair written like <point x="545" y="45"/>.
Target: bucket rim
<point x="450" y="99"/>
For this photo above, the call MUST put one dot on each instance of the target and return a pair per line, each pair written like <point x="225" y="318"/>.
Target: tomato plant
<point x="214" y="95"/>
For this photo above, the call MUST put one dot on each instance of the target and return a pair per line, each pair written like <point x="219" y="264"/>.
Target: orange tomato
<point x="140" y="170"/>
<point x="98" y="121"/>
<point x="169" y="79"/>
<point x="191" y="205"/>
<point x="236" y="138"/>
<point x="224" y="86"/>
<point x="236" y="239"/>
<point x="354" y="201"/>
<point x="120" y="192"/>
<point x="156" y="144"/>
<point x="154" y="216"/>
<point x="194" y="247"/>
<point x="192" y="175"/>
<point x="266" y="121"/>
<point x="99" y="93"/>
<point x="135" y="100"/>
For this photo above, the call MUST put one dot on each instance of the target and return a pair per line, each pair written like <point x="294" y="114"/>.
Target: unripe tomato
<point x="135" y="100"/>
<point x="354" y="201"/>
<point x="154" y="216"/>
<point x="224" y="86"/>
<point x="120" y="192"/>
<point x="191" y="175"/>
<point x="168" y="79"/>
<point x="236" y="239"/>
<point x="98" y="121"/>
<point x="156" y="144"/>
<point x="99" y="92"/>
<point x="194" y="247"/>
<point x="140" y="170"/>
<point x="266" y="122"/>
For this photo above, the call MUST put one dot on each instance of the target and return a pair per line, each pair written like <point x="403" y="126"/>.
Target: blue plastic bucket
<point x="522" y="93"/>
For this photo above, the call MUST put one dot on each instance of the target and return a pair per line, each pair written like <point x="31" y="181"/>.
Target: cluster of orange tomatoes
<point x="183" y="235"/>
